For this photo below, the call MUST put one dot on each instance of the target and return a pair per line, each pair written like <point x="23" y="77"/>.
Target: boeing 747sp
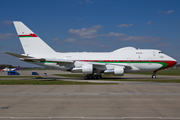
<point x="93" y="64"/>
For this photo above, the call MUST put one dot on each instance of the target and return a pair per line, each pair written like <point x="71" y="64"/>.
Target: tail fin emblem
<point x="30" y="35"/>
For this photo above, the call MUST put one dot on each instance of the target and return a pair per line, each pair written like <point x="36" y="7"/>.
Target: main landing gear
<point x="154" y="74"/>
<point x="91" y="76"/>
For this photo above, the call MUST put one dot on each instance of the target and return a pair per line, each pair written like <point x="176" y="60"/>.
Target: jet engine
<point x="87" y="68"/>
<point x="118" y="70"/>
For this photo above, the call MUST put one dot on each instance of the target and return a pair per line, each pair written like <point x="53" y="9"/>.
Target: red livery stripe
<point x="30" y="35"/>
<point x="165" y="64"/>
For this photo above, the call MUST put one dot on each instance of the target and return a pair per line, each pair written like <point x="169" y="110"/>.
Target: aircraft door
<point x="149" y="61"/>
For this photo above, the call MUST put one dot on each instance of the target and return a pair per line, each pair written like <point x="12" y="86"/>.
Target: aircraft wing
<point x="104" y="64"/>
<point x="59" y="61"/>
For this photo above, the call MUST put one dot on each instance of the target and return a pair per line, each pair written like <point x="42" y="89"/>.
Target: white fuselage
<point x="139" y="59"/>
<point x="127" y="59"/>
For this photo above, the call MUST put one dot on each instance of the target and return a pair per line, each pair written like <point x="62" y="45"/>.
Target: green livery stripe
<point x="25" y="36"/>
<point x="47" y="62"/>
<point x="29" y="35"/>
<point x="165" y="64"/>
<point x="162" y="63"/>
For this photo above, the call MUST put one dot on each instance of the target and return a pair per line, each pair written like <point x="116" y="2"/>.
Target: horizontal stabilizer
<point x="24" y="58"/>
<point x="48" y="60"/>
<point x="17" y="55"/>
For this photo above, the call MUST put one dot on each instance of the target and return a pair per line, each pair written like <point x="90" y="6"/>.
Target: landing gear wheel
<point x="153" y="76"/>
<point x="99" y="77"/>
<point x="88" y="77"/>
<point x="91" y="76"/>
<point x="95" y="77"/>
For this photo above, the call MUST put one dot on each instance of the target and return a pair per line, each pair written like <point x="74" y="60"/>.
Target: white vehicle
<point x="5" y="69"/>
<point x="93" y="64"/>
<point x="9" y="69"/>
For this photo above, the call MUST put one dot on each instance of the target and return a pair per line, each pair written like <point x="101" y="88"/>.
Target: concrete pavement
<point x="76" y="102"/>
<point x="126" y="100"/>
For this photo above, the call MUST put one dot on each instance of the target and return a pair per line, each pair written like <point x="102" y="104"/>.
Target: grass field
<point x="171" y="72"/>
<point x="47" y="82"/>
<point x="13" y="76"/>
<point x="35" y="80"/>
<point x="117" y="79"/>
<point x="146" y="80"/>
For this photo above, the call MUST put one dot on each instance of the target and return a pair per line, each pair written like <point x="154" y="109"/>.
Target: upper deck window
<point x="160" y="52"/>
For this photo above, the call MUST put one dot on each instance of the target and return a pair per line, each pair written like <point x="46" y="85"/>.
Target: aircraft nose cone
<point x="174" y="63"/>
<point x="170" y="64"/>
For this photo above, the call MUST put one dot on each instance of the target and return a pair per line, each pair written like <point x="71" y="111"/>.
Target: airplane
<point x="9" y="69"/>
<point x="93" y="64"/>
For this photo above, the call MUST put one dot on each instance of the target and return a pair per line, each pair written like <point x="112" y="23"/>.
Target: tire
<point x="153" y="76"/>
<point x="86" y="77"/>
<point x="99" y="77"/>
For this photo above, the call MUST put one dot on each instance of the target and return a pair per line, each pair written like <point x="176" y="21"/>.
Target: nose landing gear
<point x="154" y="74"/>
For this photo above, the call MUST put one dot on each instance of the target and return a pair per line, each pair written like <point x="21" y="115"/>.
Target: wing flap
<point x="104" y="64"/>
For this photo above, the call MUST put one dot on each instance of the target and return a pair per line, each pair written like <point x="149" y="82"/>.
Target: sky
<point x="92" y="25"/>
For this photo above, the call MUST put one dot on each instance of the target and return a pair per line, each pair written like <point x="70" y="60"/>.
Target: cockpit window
<point x="160" y="52"/>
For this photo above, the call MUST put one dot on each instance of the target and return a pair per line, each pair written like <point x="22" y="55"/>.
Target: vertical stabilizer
<point x="31" y="43"/>
<point x="17" y="68"/>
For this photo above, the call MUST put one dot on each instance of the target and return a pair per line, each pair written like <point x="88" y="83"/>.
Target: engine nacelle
<point x="118" y="70"/>
<point x="87" y="68"/>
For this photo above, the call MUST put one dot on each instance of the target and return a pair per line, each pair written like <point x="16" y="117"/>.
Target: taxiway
<point x="126" y="100"/>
